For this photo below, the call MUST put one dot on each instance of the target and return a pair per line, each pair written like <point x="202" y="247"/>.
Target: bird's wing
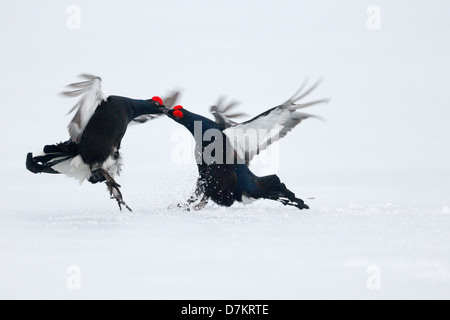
<point x="92" y="95"/>
<point x="222" y="115"/>
<point x="251" y="137"/>
<point x="171" y="99"/>
<point x="169" y="102"/>
<point x="144" y="118"/>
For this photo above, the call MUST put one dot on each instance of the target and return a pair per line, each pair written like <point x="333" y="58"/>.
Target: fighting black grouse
<point x="224" y="149"/>
<point x="96" y="132"/>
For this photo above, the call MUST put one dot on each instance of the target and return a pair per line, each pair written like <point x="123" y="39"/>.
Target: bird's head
<point x="179" y="114"/>
<point x="157" y="103"/>
<point x="191" y="121"/>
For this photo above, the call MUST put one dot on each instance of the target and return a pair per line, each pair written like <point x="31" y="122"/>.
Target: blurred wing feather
<point x="221" y="114"/>
<point x="92" y="96"/>
<point x="251" y="137"/>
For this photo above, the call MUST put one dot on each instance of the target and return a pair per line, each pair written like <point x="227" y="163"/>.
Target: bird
<point x="224" y="149"/>
<point x="100" y="122"/>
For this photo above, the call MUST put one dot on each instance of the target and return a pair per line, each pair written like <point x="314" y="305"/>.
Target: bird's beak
<point x="164" y="110"/>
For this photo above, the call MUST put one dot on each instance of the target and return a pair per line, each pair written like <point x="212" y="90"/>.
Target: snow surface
<point x="378" y="169"/>
<point x="263" y="251"/>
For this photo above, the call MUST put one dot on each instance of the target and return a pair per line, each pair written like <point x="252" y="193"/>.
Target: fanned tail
<point x="51" y="157"/>
<point x="272" y="188"/>
<point x="60" y="158"/>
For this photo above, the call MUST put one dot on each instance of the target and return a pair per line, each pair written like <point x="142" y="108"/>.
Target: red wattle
<point x="178" y="114"/>
<point x="158" y="99"/>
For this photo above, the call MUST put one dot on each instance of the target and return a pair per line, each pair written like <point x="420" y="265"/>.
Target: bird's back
<point x="105" y="130"/>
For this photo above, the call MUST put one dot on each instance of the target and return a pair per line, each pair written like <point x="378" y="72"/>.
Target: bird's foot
<point x="201" y="205"/>
<point x="121" y="203"/>
<point x="117" y="195"/>
<point x="189" y="206"/>
<point x="114" y="191"/>
<point x="184" y="206"/>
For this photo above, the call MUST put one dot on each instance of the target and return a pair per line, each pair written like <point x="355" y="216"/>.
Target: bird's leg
<point x="198" y="192"/>
<point x="114" y="190"/>
<point x="194" y="198"/>
<point x="187" y="206"/>
<point x="202" y="204"/>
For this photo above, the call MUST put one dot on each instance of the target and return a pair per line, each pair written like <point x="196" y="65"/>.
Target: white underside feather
<point x="78" y="169"/>
<point x="74" y="168"/>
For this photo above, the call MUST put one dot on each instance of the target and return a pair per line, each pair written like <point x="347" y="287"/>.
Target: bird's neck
<point x="200" y="125"/>
<point x="142" y="107"/>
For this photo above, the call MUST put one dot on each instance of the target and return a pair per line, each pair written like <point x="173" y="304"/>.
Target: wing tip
<point x="300" y="93"/>
<point x="89" y="76"/>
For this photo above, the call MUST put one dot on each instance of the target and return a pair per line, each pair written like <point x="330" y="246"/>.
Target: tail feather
<point x="34" y="166"/>
<point x="52" y="156"/>
<point x="51" y="159"/>
<point x="272" y="188"/>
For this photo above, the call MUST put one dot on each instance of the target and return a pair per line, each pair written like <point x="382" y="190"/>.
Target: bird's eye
<point x="178" y="107"/>
<point x="178" y="114"/>
<point x="158" y="100"/>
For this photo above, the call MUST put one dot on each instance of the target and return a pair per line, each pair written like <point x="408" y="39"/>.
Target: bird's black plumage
<point x="227" y="178"/>
<point x="108" y="125"/>
<point x="96" y="133"/>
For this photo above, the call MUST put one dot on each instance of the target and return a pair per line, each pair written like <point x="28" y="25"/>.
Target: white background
<point x="378" y="168"/>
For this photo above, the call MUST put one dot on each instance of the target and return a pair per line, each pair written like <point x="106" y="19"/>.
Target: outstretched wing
<point x="92" y="96"/>
<point x="169" y="102"/>
<point x="251" y="137"/>
<point x="222" y="115"/>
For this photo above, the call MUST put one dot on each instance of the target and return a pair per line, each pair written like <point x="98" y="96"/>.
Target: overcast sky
<point x="390" y="103"/>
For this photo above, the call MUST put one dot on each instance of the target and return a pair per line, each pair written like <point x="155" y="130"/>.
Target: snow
<point x="378" y="168"/>
<point x="262" y="251"/>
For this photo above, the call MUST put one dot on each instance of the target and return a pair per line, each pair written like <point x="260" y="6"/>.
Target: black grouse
<point x="96" y="132"/>
<point x="224" y="149"/>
